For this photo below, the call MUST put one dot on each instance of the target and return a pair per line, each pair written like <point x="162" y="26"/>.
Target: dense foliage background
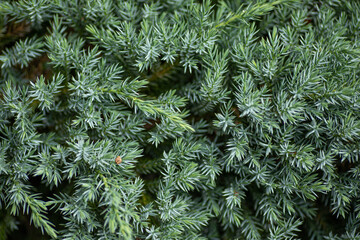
<point x="179" y="119"/>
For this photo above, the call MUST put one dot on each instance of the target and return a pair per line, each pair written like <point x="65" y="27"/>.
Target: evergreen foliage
<point x="179" y="119"/>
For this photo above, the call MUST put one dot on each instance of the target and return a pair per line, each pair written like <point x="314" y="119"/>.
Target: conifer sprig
<point x="179" y="119"/>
